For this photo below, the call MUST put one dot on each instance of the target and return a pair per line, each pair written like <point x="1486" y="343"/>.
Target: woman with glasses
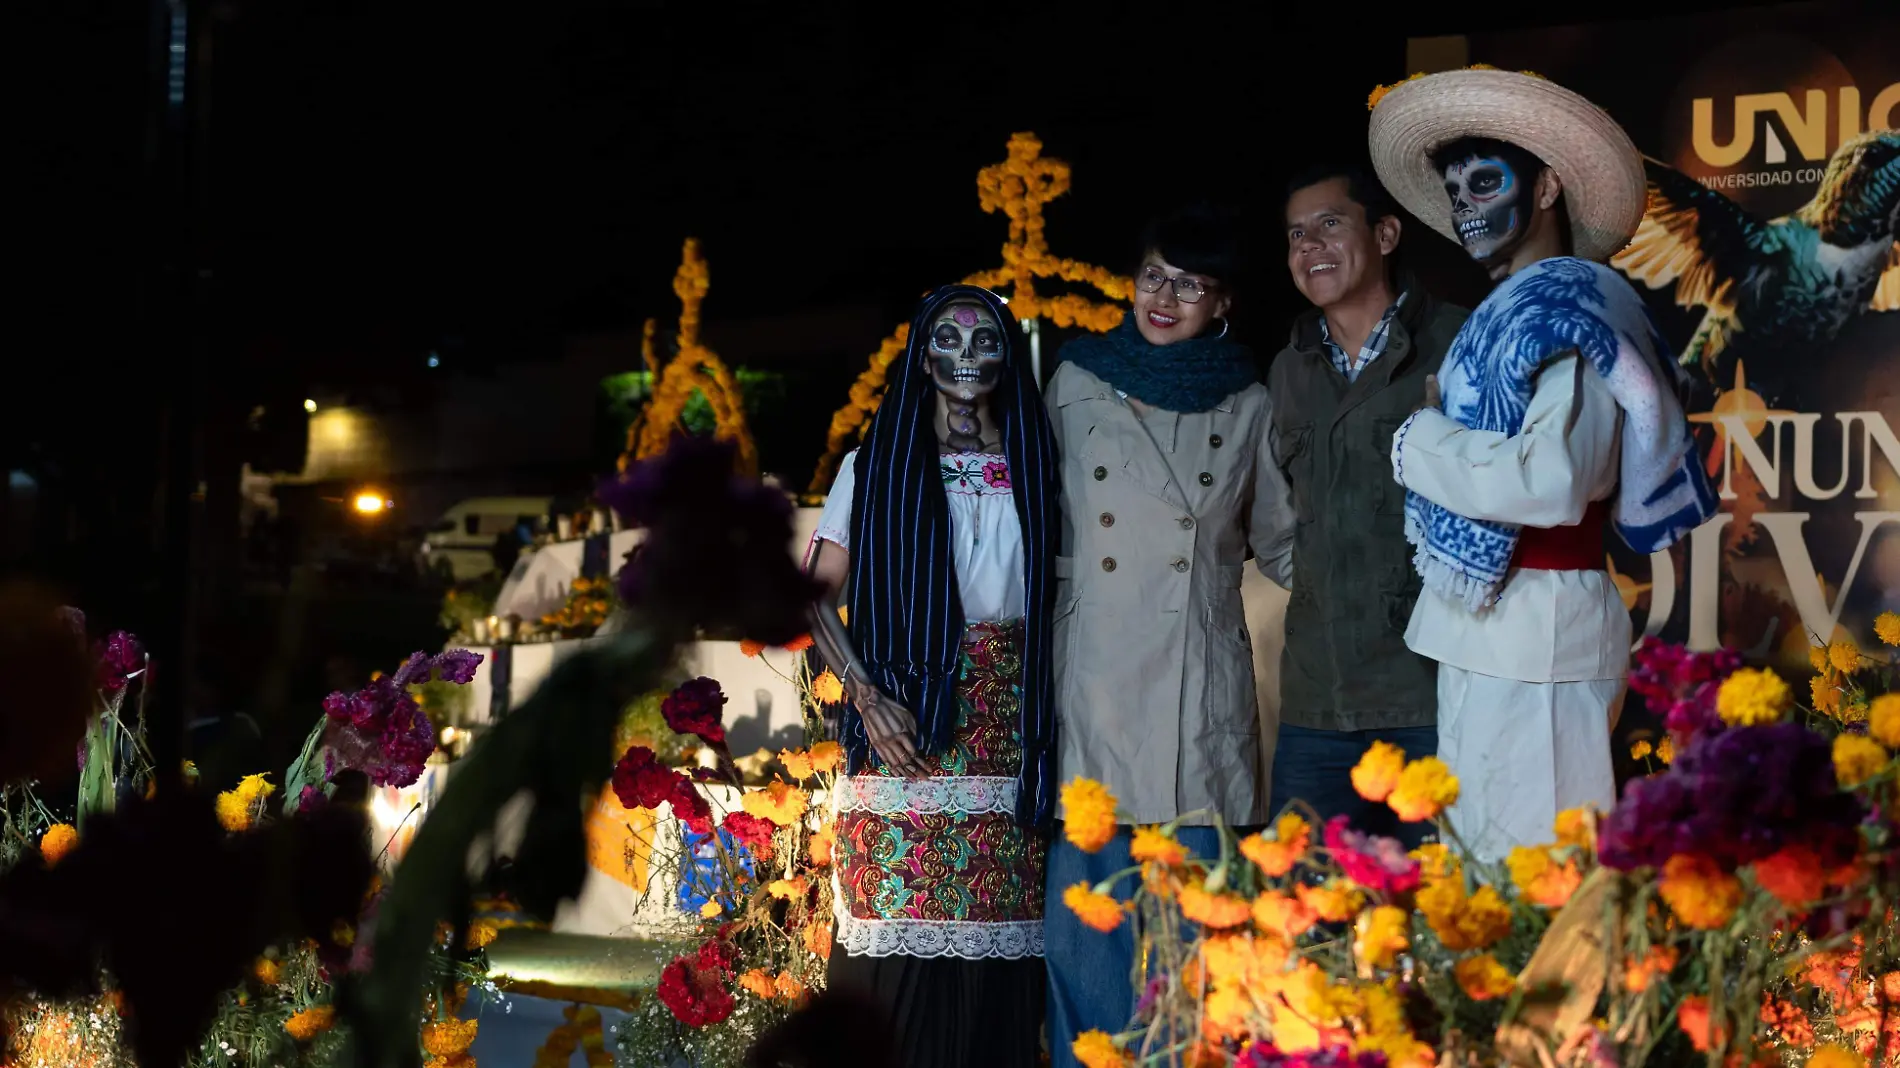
<point x="1167" y="482"/>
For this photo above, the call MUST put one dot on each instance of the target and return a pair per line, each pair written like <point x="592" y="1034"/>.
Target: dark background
<point x="349" y="186"/>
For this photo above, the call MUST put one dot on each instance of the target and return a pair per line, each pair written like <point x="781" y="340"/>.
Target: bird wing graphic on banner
<point x="1774" y="290"/>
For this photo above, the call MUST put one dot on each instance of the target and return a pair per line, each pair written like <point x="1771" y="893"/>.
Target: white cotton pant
<point x="1523" y="752"/>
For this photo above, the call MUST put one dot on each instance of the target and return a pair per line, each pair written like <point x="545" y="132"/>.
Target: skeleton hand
<point x="891" y="728"/>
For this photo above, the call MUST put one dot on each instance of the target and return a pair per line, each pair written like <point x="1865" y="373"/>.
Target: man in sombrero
<point x="1558" y="416"/>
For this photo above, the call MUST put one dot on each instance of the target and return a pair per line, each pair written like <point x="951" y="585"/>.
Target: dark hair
<point x="1526" y="163"/>
<point x="1362" y="186"/>
<point x="836" y="1029"/>
<point x="1201" y="238"/>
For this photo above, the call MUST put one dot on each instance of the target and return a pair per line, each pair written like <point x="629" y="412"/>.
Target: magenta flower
<point x="120" y="657"/>
<point x="697" y="707"/>
<point x="996" y="475"/>
<point x="380" y="730"/>
<point x="1373" y="861"/>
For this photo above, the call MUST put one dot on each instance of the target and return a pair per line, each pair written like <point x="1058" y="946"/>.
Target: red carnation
<point x="689" y="805"/>
<point x="697" y="707"/>
<point x="641" y="781"/>
<point x="753" y="832"/>
<point x="696" y="994"/>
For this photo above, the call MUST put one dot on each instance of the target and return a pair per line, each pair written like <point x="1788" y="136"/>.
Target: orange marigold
<point x="1658" y="962"/>
<point x="822" y="840"/>
<point x="788" y="987"/>
<point x="311" y="1022"/>
<point x="1699" y="892"/>
<point x="1157" y="845"/>
<point x="797" y="763"/>
<point x="758" y="982"/>
<point x="267" y="971"/>
<point x="817" y="938"/>
<point x="1335" y="902"/>
<point x="59" y="840"/>
<point x="1857" y="759"/>
<point x="1088" y="814"/>
<point x="1836" y="1056"/>
<point x="1844" y="655"/>
<point x="788" y="889"/>
<point x="1382" y="934"/>
<point x="1824" y="693"/>
<point x="1276" y="913"/>
<point x="1378" y="770"/>
<point x="1214" y="910"/>
<point x="1276" y="856"/>
<point x="1426" y="788"/>
<point x="782" y="803"/>
<point x="798" y="644"/>
<point x="1462" y="922"/>
<point x="1883" y="720"/>
<point x="1482" y="978"/>
<point x="1788" y="1021"/>
<point x="751" y="648"/>
<point x="827" y="688"/>
<point x="1794" y="875"/>
<point x="1095" y="1049"/>
<point x="1887" y="627"/>
<point x="1541" y="879"/>
<point x="1099" y="911"/>
<point x="826" y="757"/>
<point x="1693" y="1017"/>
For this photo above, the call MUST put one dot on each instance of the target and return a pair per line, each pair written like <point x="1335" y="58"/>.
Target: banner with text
<point x="1769" y="259"/>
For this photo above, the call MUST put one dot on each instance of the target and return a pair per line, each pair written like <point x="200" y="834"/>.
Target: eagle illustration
<point x="1773" y="291"/>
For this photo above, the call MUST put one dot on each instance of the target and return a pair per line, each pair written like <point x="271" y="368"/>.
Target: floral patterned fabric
<point x="973" y="472"/>
<point x="938" y="867"/>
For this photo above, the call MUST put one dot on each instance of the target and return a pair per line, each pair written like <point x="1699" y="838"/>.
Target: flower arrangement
<point x="693" y="370"/>
<point x="1378" y="93"/>
<point x="588" y="604"/>
<point x="1737" y="908"/>
<point x="1017" y="187"/>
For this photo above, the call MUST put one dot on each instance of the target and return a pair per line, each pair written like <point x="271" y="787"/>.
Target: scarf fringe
<point x="1446" y="576"/>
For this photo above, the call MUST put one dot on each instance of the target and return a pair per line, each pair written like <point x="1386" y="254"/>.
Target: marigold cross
<point x="1018" y="187"/>
<point x="694" y="368"/>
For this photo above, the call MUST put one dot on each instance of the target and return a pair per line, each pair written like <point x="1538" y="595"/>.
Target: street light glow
<point x="309" y="405"/>
<point x="371" y="503"/>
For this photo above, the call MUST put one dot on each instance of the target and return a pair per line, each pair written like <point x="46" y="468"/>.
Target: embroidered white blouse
<point x="985" y="532"/>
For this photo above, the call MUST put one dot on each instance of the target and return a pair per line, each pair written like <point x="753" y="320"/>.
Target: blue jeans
<point x="1315" y="766"/>
<point x="1091" y="974"/>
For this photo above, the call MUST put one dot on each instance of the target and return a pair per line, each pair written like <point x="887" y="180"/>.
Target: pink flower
<point x="1373" y="861"/>
<point x="996" y="475"/>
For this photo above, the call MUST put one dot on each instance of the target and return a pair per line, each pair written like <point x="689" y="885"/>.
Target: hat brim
<point x="1601" y="170"/>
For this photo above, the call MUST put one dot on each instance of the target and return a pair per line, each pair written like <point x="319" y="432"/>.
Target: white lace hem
<point x="886" y="795"/>
<point x="938" y="938"/>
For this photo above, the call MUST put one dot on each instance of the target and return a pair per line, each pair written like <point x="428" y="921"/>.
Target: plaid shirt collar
<point x="1370" y="351"/>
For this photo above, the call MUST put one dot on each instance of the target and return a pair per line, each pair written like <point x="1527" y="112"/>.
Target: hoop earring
<point x="1223" y="329"/>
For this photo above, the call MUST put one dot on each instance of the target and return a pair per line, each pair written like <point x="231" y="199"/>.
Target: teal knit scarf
<point x="1187" y="376"/>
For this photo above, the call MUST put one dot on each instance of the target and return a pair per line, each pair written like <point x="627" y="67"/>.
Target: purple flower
<point x="1680" y="685"/>
<point x="380" y="730"/>
<point x="717" y="552"/>
<point x="120" y="657"/>
<point x="1267" y="1055"/>
<point x="408" y="740"/>
<point x="697" y="707"/>
<point x="457" y="666"/>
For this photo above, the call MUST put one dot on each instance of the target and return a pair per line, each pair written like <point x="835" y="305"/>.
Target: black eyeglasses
<point x="1186" y="290"/>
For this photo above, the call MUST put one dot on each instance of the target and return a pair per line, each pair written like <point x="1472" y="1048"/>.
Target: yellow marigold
<point x="1574" y="827"/>
<point x="446" y="1038"/>
<point x="817" y="939"/>
<point x="1280" y="914"/>
<point x="797" y="762"/>
<point x="1099" y="911"/>
<point x="1336" y="902"/>
<point x="59" y="840"/>
<point x="238" y="806"/>
<point x="1383" y="933"/>
<point x="787" y="889"/>
<point x="480" y="934"/>
<point x="822" y="840"/>
<point x="1857" y="759"/>
<point x="1436" y="861"/>
<point x="1482" y="978"/>
<point x="1382" y="1016"/>
<point x="1214" y="910"/>
<point x="1836" y="1056"/>
<point x="826" y="757"/>
<point x="1844" y="655"/>
<point x="1883" y="720"/>
<point x="311" y="1022"/>
<point x="1155" y="844"/>
<point x="1277" y="855"/>
<point x="1887" y="627"/>
<point x="758" y="982"/>
<point x="1426" y="788"/>
<point x="1817" y="657"/>
<point x="1227" y="1012"/>
<point x="1824" y="693"/>
<point x="1088" y="814"/>
<point x="1666" y="750"/>
<point x="782" y="803"/>
<point x="1377" y="773"/>
<point x="711" y="910"/>
<point x="1699" y="892"/>
<point x="1244" y="957"/>
<point x="1462" y="923"/>
<point x="1095" y="1049"/>
<point x="788" y="987"/>
<point x="267" y="971"/>
<point x="1640" y="750"/>
<point x="827" y="688"/>
<point x="1541" y="879"/>
<point x="1752" y="696"/>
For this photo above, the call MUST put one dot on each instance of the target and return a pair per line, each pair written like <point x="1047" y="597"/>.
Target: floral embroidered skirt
<point x="939" y="893"/>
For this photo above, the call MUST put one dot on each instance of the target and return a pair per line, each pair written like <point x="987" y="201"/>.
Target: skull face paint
<point x="1489" y="208"/>
<point x="965" y="361"/>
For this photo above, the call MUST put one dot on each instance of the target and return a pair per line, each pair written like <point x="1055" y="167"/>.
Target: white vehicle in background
<point x="461" y="544"/>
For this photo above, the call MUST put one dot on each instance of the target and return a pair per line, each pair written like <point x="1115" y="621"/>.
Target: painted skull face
<point x="1489" y="207"/>
<point x="965" y="354"/>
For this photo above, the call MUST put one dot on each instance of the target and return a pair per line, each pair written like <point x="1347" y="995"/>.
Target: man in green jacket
<point x="1354" y="368"/>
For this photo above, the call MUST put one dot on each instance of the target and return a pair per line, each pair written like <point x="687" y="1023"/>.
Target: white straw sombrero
<point x="1601" y="170"/>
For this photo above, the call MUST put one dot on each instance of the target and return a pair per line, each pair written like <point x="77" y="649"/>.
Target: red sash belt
<point x="1578" y="548"/>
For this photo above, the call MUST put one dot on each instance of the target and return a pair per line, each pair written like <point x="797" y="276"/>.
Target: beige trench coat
<point x="1154" y="666"/>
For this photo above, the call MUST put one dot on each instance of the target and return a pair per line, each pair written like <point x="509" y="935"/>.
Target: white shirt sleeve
<point x="834" y="520"/>
<point x="1543" y="476"/>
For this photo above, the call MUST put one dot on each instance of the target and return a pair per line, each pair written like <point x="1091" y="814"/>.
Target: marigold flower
<point x="1844" y="655"/>
<point x="1095" y="1049"/>
<point x="817" y="939"/>
<point x="1383" y="934"/>
<point x="1226" y="1013"/>
<point x="798" y="644"/>
<point x="1280" y="914"/>
<point x="446" y="1038"/>
<point x="1542" y="880"/>
<point x="1639" y="750"/>
<point x="311" y="1022"/>
<point x="1887" y="627"/>
<point x="1825" y="693"/>
<point x="1787" y="1020"/>
<point x="1088" y="814"/>
<point x="1099" y="911"/>
<point x="1426" y="788"/>
<point x="782" y="803"/>
<point x="1693" y="1017"/>
<point x="1836" y="1056"/>
<point x="1435" y="861"/>
<point x="238" y="806"/>
<point x="1857" y="759"/>
<point x="788" y="889"/>
<point x="1658" y="962"/>
<point x="1795" y="876"/>
<point x="1243" y="957"/>
<point x="826" y="757"/>
<point x="788" y="987"/>
<point x="267" y="971"/>
<point x="758" y="982"/>
<point x="1463" y="923"/>
<point x="797" y="763"/>
<point x="1157" y="845"/>
<point x="827" y="688"/>
<point x="1214" y="910"/>
<point x="1574" y="827"/>
<point x="480" y="934"/>
<point x="1699" y="892"/>
<point x="1377" y="772"/>
<point x="1276" y="856"/>
<point x="1335" y="902"/>
<point x="59" y="840"/>
<point x="1817" y="657"/>
<point x="1751" y="697"/>
<point x="1482" y="978"/>
<point x="711" y="910"/>
<point x="751" y="648"/>
<point x="1883" y="720"/>
<point x="822" y="841"/>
